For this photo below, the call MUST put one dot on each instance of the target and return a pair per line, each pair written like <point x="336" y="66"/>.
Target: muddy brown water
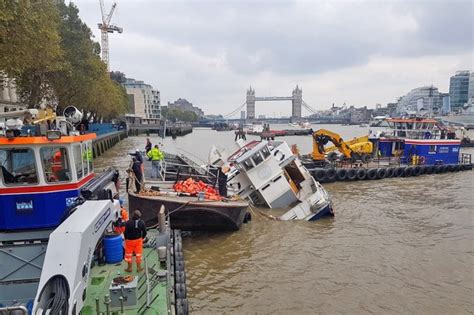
<point x="395" y="246"/>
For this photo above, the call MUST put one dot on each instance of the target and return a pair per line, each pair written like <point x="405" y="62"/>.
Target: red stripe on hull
<point x="45" y="189"/>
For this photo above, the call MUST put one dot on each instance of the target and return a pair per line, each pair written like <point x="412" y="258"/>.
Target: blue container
<point x="113" y="248"/>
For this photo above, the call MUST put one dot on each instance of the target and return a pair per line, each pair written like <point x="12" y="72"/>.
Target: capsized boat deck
<point x="102" y="277"/>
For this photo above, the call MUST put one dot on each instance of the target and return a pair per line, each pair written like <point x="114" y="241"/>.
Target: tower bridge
<point x="296" y="99"/>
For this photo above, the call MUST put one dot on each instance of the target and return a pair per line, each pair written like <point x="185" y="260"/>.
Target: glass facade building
<point x="458" y="90"/>
<point x="422" y="100"/>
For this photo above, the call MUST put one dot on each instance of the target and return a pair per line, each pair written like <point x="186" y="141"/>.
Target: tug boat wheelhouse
<point x="418" y="141"/>
<point x="268" y="174"/>
<point x="40" y="178"/>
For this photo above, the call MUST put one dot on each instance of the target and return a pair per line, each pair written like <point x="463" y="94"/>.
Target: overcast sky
<point x="360" y="53"/>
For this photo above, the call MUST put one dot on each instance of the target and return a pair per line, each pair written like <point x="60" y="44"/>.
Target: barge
<point x="187" y="212"/>
<point x="410" y="147"/>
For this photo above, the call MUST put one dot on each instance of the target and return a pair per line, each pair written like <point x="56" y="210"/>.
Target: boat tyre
<point x="179" y="265"/>
<point x="182" y="307"/>
<point x="429" y="169"/>
<point x="179" y="255"/>
<point x="417" y="171"/>
<point x="180" y="277"/>
<point x="408" y="171"/>
<point x="365" y="158"/>
<point x="372" y="174"/>
<point x="437" y="169"/>
<point x="398" y="171"/>
<point x="319" y="174"/>
<point x="449" y="168"/>
<point x="247" y="217"/>
<point x="351" y="174"/>
<point x="180" y="290"/>
<point x="341" y="174"/>
<point x="361" y="173"/>
<point x="331" y="175"/>
<point x="390" y="172"/>
<point x="456" y="168"/>
<point x="467" y="167"/>
<point x="381" y="173"/>
<point x="332" y="156"/>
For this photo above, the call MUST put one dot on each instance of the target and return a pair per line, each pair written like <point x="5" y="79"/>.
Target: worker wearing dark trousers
<point x="135" y="233"/>
<point x="137" y="171"/>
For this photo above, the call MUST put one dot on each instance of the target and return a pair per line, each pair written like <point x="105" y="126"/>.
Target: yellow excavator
<point x="356" y="149"/>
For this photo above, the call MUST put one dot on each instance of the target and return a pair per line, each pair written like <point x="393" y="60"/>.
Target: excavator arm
<point x="322" y="137"/>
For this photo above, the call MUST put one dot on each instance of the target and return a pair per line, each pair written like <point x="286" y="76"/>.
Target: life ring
<point x="421" y="160"/>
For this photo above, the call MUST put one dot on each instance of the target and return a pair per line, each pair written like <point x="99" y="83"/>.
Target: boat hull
<point x="327" y="211"/>
<point x="191" y="215"/>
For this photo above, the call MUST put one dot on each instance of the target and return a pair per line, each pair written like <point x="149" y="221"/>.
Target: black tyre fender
<point x="180" y="290"/>
<point x="332" y="156"/>
<point x="467" y="167"/>
<point x="398" y="171"/>
<point x="449" y="168"/>
<point x="438" y="169"/>
<point x="331" y="175"/>
<point x="417" y="171"/>
<point x="365" y="158"/>
<point x="341" y="174"/>
<point x="429" y="169"/>
<point x="361" y="173"/>
<point x="182" y="307"/>
<point x="456" y="168"/>
<point x="319" y="174"/>
<point x="390" y="172"/>
<point x="179" y="265"/>
<point x="381" y="173"/>
<point x="351" y="174"/>
<point x="372" y="174"/>
<point x="180" y="277"/>
<point x="408" y="171"/>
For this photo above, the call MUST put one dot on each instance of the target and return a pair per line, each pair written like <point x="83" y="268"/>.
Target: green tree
<point x="30" y="46"/>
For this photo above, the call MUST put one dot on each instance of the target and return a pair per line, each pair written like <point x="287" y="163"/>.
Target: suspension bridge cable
<point x="235" y="111"/>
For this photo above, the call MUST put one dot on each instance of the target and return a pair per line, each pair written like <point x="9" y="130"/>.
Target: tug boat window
<point x="18" y="166"/>
<point x="87" y="157"/>
<point x="55" y="164"/>
<point x="77" y="157"/>
<point x="265" y="152"/>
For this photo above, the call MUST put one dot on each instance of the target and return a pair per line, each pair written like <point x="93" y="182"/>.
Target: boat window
<point x="55" y="164"/>
<point x="432" y="149"/>
<point x="18" y="166"/>
<point x="257" y="158"/>
<point x="409" y="125"/>
<point x="265" y="152"/>
<point x="247" y="164"/>
<point x="77" y="155"/>
<point x="87" y="157"/>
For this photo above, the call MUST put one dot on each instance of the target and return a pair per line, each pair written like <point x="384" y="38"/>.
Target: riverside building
<point x="144" y="101"/>
<point x="458" y="90"/>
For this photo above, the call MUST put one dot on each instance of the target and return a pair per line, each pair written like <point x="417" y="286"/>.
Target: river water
<point x="399" y="245"/>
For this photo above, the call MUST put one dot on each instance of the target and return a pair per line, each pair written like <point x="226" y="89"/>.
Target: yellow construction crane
<point x="106" y="28"/>
<point x="356" y="149"/>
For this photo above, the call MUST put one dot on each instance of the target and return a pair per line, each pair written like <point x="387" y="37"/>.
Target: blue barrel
<point x="113" y="248"/>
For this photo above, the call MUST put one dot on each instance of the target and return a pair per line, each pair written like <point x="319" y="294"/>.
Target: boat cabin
<point x="40" y="177"/>
<point x="418" y="141"/>
<point x="267" y="173"/>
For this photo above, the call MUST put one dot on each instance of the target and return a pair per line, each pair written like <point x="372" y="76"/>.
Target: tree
<point x="30" y="46"/>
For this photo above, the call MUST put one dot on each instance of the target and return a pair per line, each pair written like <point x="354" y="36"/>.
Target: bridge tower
<point x="250" y="103"/>
<point x="297" y="102"/>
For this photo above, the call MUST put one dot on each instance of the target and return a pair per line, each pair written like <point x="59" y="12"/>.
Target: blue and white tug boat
<point x="418" y="141"/>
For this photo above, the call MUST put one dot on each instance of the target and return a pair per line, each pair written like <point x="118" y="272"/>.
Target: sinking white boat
<point x="267" y="173"/>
